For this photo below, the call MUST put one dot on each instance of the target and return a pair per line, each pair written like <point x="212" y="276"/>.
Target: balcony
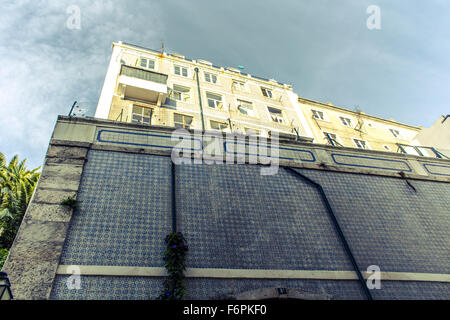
<point x="144" y="85"/>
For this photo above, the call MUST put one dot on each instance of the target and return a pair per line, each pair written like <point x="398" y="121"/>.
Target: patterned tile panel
<point x="108" y="288"/>
<point x="264" y="150"/>
<point x="388" y="223"/>
<point x="437" y="169"/>
<point x="124" y="211"/>
<point x="233" y="217"/>
<point x="412" y="290"/>
<point x="370" y="162"/>
<point x="153" y="140"/>
<point x="146" y="288"/>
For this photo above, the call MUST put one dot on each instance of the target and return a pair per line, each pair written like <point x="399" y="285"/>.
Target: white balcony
<point x="145" y="85"/>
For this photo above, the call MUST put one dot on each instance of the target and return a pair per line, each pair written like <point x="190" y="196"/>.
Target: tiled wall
<point x="124" y="211"/>
<point x="233" y="217"/>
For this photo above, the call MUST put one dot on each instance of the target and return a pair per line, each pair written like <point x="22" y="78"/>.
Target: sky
<point x="323" y="48"/>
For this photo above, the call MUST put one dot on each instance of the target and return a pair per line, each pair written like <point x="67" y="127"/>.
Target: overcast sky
<point x="322" y="47"/>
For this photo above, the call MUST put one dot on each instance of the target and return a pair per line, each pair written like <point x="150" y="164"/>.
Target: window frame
<point x="244" y="85"/>
<point x="250" y="112"/>
<point x="210" y="75"/>
<point x="257" y="131"/>
<point x="219" y="122"/>
<point x="397" y="135"/>
<point x="216" y="105"/>
<point x="182" y="93"/>
<point x="267" y="90"/>
<point x="142" y="115"/>
<point x="366" y="143"/>
<point x="281" y="115"/>
<point x="147" y="63"/>
<point x="181" y="70"/>
<point x="338" y="140"/>
<point x="344" y="123"/>
<point x="325" y="117"/>
<point x="183" y="116"/>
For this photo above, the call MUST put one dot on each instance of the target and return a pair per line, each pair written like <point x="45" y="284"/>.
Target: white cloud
<point x="46" y="66"/>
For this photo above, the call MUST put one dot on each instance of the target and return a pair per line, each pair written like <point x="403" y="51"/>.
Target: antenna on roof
<point x="162" y="46"/>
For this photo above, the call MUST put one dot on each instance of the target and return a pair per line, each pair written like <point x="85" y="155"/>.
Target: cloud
<point x="323" y="49"/>
<point x="46" y="66"/>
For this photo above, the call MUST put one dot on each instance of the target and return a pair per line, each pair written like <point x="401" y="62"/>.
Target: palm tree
<point x="16" y="187"/>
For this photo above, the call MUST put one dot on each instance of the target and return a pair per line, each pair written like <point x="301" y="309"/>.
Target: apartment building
<point x="158" y="88"/>
<point x="152" y="87"/>
<point x="354" y="129"/>
<point x="310" y="230"/>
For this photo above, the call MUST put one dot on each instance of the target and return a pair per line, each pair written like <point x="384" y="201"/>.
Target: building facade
<point x="355" y="129"/>
<point x="166" y="89"/>
<point x="438" y="136"/>
<point x="156" y="88"/>
<point x="312" y="229"/>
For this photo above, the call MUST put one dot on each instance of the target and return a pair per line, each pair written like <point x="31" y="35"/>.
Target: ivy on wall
<point x="175" y="263"/>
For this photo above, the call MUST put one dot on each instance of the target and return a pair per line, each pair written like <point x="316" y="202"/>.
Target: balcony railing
<point x="403" y="148"/>
<point x="143" y="74"/>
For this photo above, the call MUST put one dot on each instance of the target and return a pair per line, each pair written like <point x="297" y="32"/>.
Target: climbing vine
<point x="174" y="261"/>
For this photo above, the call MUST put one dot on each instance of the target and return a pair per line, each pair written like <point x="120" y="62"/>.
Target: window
<point x="141" y="115"/>
<point x="181" y="71"/>
<point x="245" y="107"/>
<point x="346" y="121"/>
<point x="319" y="115"/>
<point x="276" y="115"/>
<point x="182" y="121"/>
<point x="147" y="63"/>
<point x="237" y="85"/>
<point x="361" y="144"/>
<point x="266" y="92"/>
<point x="252" y="132"/>
<point x="331" y="138"/>
<point x="216" y="125"/>
<point x="214" y="100"/>
<point x="395" y="133"/>
<point x="209" y="77"/>
<point x="181" y="93"/>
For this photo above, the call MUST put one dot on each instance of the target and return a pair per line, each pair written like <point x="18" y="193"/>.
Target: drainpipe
<point x="338" y="229"/>
<point x="200" y="100"/>
<point x="174" y="203"/>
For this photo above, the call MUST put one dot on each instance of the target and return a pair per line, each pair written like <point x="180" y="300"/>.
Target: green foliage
<point x="174" y="259"/>
<point x="70" y="202"/>
<point x="3" y="255"/>
<point x="17" y="184"/>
